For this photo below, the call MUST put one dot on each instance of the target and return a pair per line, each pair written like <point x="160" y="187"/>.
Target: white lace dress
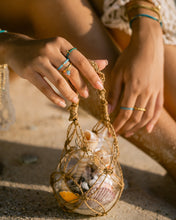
<point x="114" y="17"/>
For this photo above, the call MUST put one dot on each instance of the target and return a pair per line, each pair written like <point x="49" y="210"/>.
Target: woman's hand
<point x="37" y="60"/>
<point x="139" y="70"/>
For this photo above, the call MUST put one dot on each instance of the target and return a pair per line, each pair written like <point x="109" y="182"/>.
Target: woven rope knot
<point x="73" y="112"/>
<point x="84" y="148"/>
<point x="108" y="171"/>
<point x="71" y="149"/>
<point x="105" y="213"/>
<point x="62" y="174"/>
<point x="83" y="197"/>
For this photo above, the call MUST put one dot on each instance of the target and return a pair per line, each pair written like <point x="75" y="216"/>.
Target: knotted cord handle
<point x="104" y="117"/>
<point x="103" y="103"/>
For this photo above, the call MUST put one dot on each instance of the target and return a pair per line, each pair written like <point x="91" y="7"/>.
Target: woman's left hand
<point x="139" y="70"/>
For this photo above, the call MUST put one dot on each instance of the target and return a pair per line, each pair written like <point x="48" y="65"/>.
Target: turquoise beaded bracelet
<point x="147" y="16"/>
<point x="3" y="31"/>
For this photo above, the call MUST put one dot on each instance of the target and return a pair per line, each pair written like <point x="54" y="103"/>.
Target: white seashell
<point x="91" y="139"/>
<point x="80" y="168"/>
<point x="85" y="186"/>
<point x="61" y="185"/>
<point x="103" y="155"/>
<point x="95" y="177"/>
<point x="89" y="135"/>
<point x="103" y="134"/>
<point x="91" y="182"/>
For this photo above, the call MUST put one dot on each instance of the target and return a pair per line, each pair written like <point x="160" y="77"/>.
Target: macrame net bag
<point x="88" y="179"/>
<point x="7" y="113"/>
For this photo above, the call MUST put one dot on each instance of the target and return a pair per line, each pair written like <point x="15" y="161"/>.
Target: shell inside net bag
<point x="88" y="179"/>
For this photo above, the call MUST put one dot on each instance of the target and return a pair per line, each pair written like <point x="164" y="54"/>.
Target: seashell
<point x="103" y="155"/>
<point x="85" y="186"/>
<point x="103" y="134"/>
<point x="91" y="139"/>
<point x="69" y="196"/>
<point x="105" y="194"/>
<point x="80" y="168"/>
<point x="91" y="182"/>
<point x="61" y="185"/>
<point x="95" y="177"/>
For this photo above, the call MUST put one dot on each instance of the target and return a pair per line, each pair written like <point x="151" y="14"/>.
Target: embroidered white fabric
<point x="114" y="17"/>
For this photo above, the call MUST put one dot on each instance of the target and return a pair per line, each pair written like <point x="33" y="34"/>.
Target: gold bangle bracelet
<point x="154" y="9"/>
<point x="150" y="2"/>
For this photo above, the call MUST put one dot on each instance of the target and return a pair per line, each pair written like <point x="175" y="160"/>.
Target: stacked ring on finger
<point x="132" y="109"/>
<point x="62" y="65"/>
<point x="67" y="69"/>
<point x="139" y="109"/>
<point x="69" y="51"/>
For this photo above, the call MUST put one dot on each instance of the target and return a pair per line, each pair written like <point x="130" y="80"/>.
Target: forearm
<point x="6" y="41"/>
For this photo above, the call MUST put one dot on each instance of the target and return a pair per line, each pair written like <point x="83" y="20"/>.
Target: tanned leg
<point x="170" y="80"/>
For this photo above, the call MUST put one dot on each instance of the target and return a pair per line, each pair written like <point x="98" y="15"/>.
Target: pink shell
<point x="105" y="194"/>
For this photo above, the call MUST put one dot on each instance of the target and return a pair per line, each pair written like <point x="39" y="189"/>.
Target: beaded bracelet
<point x="3" y="31"/>
<point x="144" y="15"/>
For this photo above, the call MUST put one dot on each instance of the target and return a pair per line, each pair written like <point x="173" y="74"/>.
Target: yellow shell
<point x="69" y="196"/>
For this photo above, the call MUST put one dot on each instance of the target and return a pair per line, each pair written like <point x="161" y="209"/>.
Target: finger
<point x="72" y="74"/>
<point x="150" y="107"/>
<point x="124" y="115"/>
<point x="47" y="70"/>
<point x="61" y="63"/>
<point x="37" y="80"/>
<point x="136" y="116"/>
<point x="76" y="79"/>
<point x="101" y="64"/>
<point x="158" y="109"/>
<point x="78" y="82"/>
<point x="115" y="91"/>
<point x="83" y="65"/>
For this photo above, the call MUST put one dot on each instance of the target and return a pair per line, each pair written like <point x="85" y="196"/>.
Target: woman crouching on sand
<point x="137" y="79"/>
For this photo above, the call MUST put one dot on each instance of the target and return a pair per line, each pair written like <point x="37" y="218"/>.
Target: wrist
<point x="146" y="27"/>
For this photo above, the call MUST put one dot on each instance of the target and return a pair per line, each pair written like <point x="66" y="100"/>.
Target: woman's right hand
<point x="36" y="60"/>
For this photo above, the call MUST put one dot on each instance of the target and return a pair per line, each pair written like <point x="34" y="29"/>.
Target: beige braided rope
<point x="77" y="149"/>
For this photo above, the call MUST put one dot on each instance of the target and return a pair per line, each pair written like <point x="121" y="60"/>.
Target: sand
<point x="40" y="131"/>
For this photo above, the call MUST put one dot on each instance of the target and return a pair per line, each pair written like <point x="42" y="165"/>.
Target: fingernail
<point x="109" y="108"/>
<point x="62" y="104"/>
<point x="150" y="128"/>
<point x="75" y="100"/>
<point x="99" y="85"/>
<point x="106" y="61"/>
<point x="85" y="94"/>
<point x="129" y="134"/>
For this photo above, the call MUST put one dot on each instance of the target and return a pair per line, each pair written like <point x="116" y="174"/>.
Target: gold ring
<point x="139" y="109"/>
<point x="67" y="69"/>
